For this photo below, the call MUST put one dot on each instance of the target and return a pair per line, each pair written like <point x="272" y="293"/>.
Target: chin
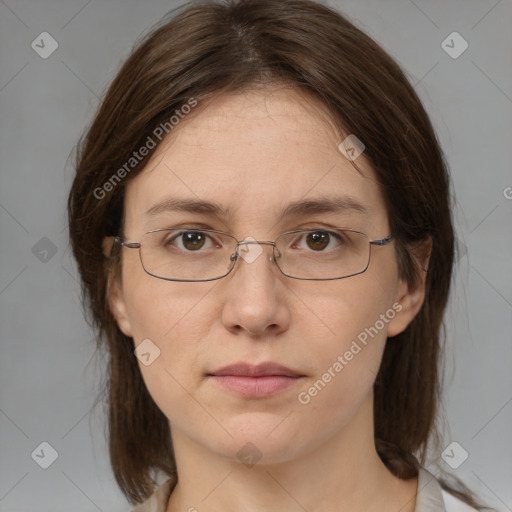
<point x="262" y="439"/>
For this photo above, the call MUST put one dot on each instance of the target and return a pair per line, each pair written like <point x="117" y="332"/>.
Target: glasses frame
<point x="235" y="256"/>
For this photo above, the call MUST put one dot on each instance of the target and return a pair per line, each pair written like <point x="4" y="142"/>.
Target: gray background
<point x="49" y="371"/>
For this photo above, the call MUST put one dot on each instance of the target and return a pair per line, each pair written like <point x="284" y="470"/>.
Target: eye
<point x="191" y="241"/>
<point x="319" y="240"/>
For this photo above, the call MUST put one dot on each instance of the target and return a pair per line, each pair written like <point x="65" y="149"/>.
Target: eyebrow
<point x="337" y="204"/>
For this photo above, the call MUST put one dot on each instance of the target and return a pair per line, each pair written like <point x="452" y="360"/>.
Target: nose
<point x="256" y="299"/>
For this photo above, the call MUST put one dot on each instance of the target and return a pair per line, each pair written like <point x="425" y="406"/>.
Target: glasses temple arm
<point x="134" y="245"/>
<point x="382" y="241"/>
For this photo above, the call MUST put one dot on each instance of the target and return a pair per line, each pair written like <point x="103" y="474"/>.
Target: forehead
<point x="253" y="154"/>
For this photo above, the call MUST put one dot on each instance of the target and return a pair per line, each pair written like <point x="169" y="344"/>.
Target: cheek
<point x="346" y="355"/>
<point x="345" y="376"/>
<point x="175" y="318"/>
<point x="350" y="308"/>
<point x="158" y="308"/>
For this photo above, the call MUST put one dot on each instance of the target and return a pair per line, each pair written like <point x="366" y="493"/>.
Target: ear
<point x="410" y="296"/>
<point x="115" y="296"/>
<point x="106" y="245"/>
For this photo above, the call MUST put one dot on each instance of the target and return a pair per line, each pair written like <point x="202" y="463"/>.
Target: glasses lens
<point x="323" y="254"/>
<point x="187" y="254"/>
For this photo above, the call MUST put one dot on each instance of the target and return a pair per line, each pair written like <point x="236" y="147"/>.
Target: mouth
<point x="255" y="381"/>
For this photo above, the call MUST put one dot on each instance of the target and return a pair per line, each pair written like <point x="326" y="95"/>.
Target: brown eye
<point x="193" y="241"/>
<point x="318" y="240"/>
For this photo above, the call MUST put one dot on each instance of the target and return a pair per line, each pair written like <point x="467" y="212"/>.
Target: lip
<point x="260" y="370"/>
<point x="255" y="381"/>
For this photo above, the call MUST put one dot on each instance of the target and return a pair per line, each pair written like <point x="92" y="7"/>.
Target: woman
<point x="262" y="225"/>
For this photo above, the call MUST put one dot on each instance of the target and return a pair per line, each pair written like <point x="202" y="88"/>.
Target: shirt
<point x="429" y="498"/>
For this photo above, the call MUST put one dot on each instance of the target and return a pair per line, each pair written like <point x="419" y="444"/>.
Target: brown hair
<point x="212" y="47"/>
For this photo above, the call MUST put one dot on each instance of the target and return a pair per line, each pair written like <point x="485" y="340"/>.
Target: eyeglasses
<point x="183" y="254"/>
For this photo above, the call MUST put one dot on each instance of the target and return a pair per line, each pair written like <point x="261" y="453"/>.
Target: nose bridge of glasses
<point x="244" y="243"/>
<point x="257" y="242"/>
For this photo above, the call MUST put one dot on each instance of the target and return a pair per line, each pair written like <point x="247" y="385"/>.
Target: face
<point x="254" y="154"/>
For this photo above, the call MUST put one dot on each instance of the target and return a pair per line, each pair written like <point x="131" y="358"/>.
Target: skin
<point x="254" y="153"/>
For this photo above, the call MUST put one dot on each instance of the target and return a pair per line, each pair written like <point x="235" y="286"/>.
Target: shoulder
<point x="454" y="504"/>
<point x="431" y="497"/>
<point x="157" y="502"/>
